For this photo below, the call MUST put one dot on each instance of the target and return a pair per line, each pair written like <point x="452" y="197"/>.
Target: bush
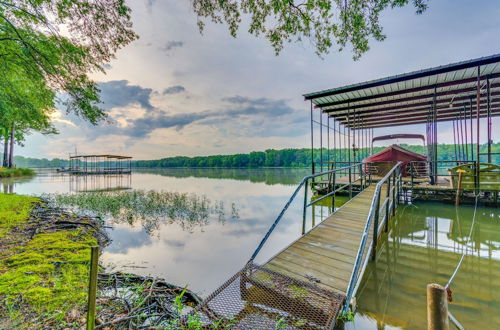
<point x="13" y="172"/>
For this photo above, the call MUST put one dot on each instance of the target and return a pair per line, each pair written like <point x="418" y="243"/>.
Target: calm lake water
<point x="424" y="245"/>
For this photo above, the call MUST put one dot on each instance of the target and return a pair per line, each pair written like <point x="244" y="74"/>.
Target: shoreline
<point x="44" y="272"/>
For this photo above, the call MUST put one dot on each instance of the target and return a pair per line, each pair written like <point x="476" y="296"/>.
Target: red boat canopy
<point x="395" y="153"/>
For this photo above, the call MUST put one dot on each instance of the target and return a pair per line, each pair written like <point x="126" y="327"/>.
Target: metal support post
<point x="304" y="211"/>
<point x="375" y="227"/>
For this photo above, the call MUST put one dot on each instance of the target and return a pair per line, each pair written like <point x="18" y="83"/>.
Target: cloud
<point x="174" y="90"/>
<point x="118" y="93"/>
<point x="171" y="44"/>
<point x="254" y="113"/>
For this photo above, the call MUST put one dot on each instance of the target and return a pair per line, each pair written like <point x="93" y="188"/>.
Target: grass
<point x="14" y="210"/>
<point x="43" y="279"/>
<point x="15" y="172"/>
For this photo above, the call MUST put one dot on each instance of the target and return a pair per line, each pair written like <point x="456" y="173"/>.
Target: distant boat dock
<point x="100" y="164"/>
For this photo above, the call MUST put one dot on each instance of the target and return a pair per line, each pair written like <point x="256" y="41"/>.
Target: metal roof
<point x="101" y="156"/>
<point x="408" y="98"/>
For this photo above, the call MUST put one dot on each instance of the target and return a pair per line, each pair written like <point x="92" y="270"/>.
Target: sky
<point x="177" y="92"/>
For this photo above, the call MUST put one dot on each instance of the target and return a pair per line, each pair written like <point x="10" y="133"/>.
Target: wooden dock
<point x="326" y="254"/>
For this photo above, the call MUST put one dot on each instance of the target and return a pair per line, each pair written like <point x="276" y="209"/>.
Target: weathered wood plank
<point x="327" y="253"/>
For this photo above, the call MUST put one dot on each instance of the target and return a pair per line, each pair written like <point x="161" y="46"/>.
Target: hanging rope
<point x="447" y="286"/>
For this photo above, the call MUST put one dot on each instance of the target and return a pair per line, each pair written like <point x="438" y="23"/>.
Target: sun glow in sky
<point x="176" y="92"/>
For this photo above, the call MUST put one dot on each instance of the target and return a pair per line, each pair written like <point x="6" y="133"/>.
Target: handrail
<point x="303" y="182"/>
<point x="374" y="213"/>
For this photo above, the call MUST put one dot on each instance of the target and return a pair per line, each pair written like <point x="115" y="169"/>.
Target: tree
<point x="48" y="48"/>
<point x="324" y="22"/>
<point x="63" y="41"/>
<point x="25" y="105"/>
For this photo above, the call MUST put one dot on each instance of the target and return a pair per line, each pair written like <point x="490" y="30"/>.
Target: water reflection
<point x="207" y="255"/>
<point x="269" y="176"/>
<point x="98" y="182"/>
<point x="425" y="243"/>
<point x="424" y="246"/>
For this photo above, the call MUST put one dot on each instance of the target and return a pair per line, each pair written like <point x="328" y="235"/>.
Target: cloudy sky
<point x="176" y="92"/>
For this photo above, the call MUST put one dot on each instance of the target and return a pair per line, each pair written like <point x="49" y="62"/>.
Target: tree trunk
<point x="5" y="149"/>
<point x="11" y="153"/>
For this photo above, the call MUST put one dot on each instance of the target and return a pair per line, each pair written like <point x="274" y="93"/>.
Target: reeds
<point x="151" y="208"/>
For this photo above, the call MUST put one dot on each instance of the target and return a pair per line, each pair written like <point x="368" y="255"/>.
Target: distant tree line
<point x="291" y="157"/>
<point x="268" y="158"/>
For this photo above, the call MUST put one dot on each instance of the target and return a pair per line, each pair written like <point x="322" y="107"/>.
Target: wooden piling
<point x="437" y="307"/>
<point x="94" y="264"/>
<point x="459" y="186"/>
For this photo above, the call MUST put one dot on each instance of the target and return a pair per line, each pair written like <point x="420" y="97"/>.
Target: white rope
<point x="465" y="247"/>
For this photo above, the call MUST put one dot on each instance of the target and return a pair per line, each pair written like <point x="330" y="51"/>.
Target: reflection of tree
<point x="269" y="176"/>
<point x="149" y="208"/>
<point x="8" y="184"/>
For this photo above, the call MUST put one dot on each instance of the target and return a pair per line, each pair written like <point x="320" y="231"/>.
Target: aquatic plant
<point x="150" y="207"/>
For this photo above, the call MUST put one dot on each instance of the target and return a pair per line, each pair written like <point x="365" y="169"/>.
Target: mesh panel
<point x="258" y="298"/>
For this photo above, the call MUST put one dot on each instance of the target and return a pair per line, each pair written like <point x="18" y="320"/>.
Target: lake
<point x="424" y="244"/>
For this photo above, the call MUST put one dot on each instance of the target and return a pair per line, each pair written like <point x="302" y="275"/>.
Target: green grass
<point x="14" y="210"/>
<point x="44" y="278"/>
<point x="14" y="172"/>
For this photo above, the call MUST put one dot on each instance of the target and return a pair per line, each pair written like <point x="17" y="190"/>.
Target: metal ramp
<point x="310" y="282"/>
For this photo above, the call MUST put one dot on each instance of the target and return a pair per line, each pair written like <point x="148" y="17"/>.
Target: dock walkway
<point x="306" y="284"/>
<point x="326" y="254"/>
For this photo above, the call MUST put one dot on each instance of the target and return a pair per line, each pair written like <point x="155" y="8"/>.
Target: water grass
<point x="15" y="172"/>
<point x="150" y="208"/>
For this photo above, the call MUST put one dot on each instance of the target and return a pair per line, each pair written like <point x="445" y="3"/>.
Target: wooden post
<point x="437" y="308"/>
<point x="459" y="185"/>
<point x="94" y="264"/>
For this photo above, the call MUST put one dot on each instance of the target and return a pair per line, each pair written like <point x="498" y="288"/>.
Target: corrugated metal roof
<point x="408" y="98"/>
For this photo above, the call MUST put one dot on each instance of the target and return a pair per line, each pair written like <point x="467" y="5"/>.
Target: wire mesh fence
<point x="259" y="298"/>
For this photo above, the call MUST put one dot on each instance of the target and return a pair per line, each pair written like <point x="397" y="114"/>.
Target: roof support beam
<point x="495" y="111"/>
<point x="411" y="112"/>
<point x="405" y="107"/>
<point x="429" y="96"/>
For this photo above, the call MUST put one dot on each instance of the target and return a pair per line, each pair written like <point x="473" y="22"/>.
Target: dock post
<point x="333" y="196"/>
<point x="375" y="227"/>
<point x="350" y="181"/>
<point x="304" y="212"/>
<point x="361" y="176"/>
<point x="94" y="264"/>
<point x="459" y="184"/>
<point x="387" y="194"/>
<point x="437" y="307"/>
<point x="394" y="186"/>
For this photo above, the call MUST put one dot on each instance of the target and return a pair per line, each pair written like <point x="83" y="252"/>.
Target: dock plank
<point x="327" y="253"/>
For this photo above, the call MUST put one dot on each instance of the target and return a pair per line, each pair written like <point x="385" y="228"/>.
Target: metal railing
<point x="352" y="169"/>
<point x="377" y="219"/>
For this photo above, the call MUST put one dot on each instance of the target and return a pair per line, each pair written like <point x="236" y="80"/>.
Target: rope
<point x="465" y="249"/>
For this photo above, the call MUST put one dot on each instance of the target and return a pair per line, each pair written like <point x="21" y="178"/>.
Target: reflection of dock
<point x="99" y="182"/>
<point x="402" y="271"/>
<point x="100" y="164"/>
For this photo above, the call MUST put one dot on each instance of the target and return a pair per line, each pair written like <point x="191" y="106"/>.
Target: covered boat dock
<point x="100" y="164"/>
<point x="465" y="94"/>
